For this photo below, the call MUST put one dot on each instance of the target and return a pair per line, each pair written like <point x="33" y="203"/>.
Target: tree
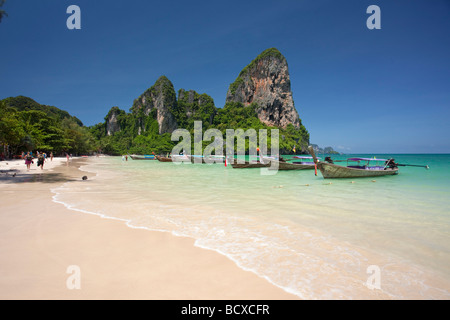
<point x="26" y="125"/>
<point x="11" y="130"/>
<point x="2" y="12"/>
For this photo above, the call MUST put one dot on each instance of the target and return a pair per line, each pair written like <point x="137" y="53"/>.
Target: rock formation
<point x="160" y="100"/>
<point x="190" y="99"/>
<point x="265" y="81"/>
<point x="192" y="105"/>
<point x="112" y="122"/>
<point x="261" y="96"/>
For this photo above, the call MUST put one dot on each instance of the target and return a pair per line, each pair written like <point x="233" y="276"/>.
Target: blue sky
<point x="357" y="90"/>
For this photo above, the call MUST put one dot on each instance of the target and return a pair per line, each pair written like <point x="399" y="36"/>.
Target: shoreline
<point x="41" y="239"/>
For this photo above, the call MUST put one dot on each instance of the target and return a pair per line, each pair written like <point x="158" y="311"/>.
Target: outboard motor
<point x="391" y="164"/>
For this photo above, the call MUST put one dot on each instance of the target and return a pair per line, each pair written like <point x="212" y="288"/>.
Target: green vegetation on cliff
<point x="268" y="53"/>
<point x="26" y="125"/>
<point x="272" y="52"/>
<point x="163" y="87"/>
<point x="191" y="107"/>
<point x="127" y="140"/>
<point x="235" y="116"/>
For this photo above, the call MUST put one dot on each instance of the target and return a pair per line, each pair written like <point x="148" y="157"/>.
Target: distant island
<point x="259" y="98"/>
<point x="326" y="150"/>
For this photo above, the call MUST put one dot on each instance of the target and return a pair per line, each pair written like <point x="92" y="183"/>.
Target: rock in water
<point x="265" y="81"/>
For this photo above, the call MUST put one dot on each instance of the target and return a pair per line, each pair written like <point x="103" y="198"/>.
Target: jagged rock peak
<point x="162" y="98"/>
<point x="187" y="96"/>
<point x="266" y="82"/>
<point x="112" y="120"/>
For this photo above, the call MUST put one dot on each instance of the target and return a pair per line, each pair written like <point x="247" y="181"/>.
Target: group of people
<point x="41" y="158"/>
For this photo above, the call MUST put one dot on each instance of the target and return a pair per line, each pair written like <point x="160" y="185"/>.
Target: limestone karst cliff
<point x="193" y="106"/>
<point x="261" y="97"/>
<point x="160" y="100"/>
<point x="266" y="82"/>
<point x="112" y="122"/>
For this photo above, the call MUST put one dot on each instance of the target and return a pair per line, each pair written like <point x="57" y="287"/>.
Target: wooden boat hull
<point x="208" y="160"/>
<point x="139" y="157"/>
<point x="330" y="171"/>
<point x="291" y="166"/>
<point x="249" y="165"/>
<point x="163" y="159"/>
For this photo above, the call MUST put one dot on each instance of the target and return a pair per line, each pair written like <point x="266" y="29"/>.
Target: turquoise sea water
<point x="313" y="237"/>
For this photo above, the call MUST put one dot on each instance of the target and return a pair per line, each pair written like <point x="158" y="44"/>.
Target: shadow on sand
<point x="12" y="176"/>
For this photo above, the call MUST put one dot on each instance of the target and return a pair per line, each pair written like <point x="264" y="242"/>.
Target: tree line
<point x="26" y="125"/>
<point x="139" y="133"/>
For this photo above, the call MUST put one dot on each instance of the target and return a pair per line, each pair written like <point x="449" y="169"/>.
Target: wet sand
<point x="47" y="250"/>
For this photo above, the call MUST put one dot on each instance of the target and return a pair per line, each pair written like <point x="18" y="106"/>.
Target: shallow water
<point x="313" y="237"/>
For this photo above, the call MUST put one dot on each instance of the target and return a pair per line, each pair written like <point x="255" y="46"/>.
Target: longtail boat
<point x="295" y="165"/>
<point x="258" y="162"/>
<point x="248" y="165"/>
<point x="163" y="159"/>
<point x="180" y="158"/>
<point x="208" y="159"/>
<point x="142" y="157"/>
<point x="356" y="167"/>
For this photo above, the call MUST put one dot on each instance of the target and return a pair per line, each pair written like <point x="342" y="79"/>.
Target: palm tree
<point x="2" y="12"/>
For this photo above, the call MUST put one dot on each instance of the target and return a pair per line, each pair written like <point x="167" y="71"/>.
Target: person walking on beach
<point x="41" y="160"/>
<point x="51" y="156"/>
<point x="28" y="160"/>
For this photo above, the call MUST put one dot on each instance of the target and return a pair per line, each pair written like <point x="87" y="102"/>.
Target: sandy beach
<point x="43" y="242"/>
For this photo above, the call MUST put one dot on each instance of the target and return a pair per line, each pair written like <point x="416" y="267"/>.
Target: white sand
<point x="41" y="239"/>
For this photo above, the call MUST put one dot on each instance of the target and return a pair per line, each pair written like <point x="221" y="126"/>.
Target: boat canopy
<point x="366" y="159"/>
<point x="303" y="157"/>
<point x="201" y="156"/>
